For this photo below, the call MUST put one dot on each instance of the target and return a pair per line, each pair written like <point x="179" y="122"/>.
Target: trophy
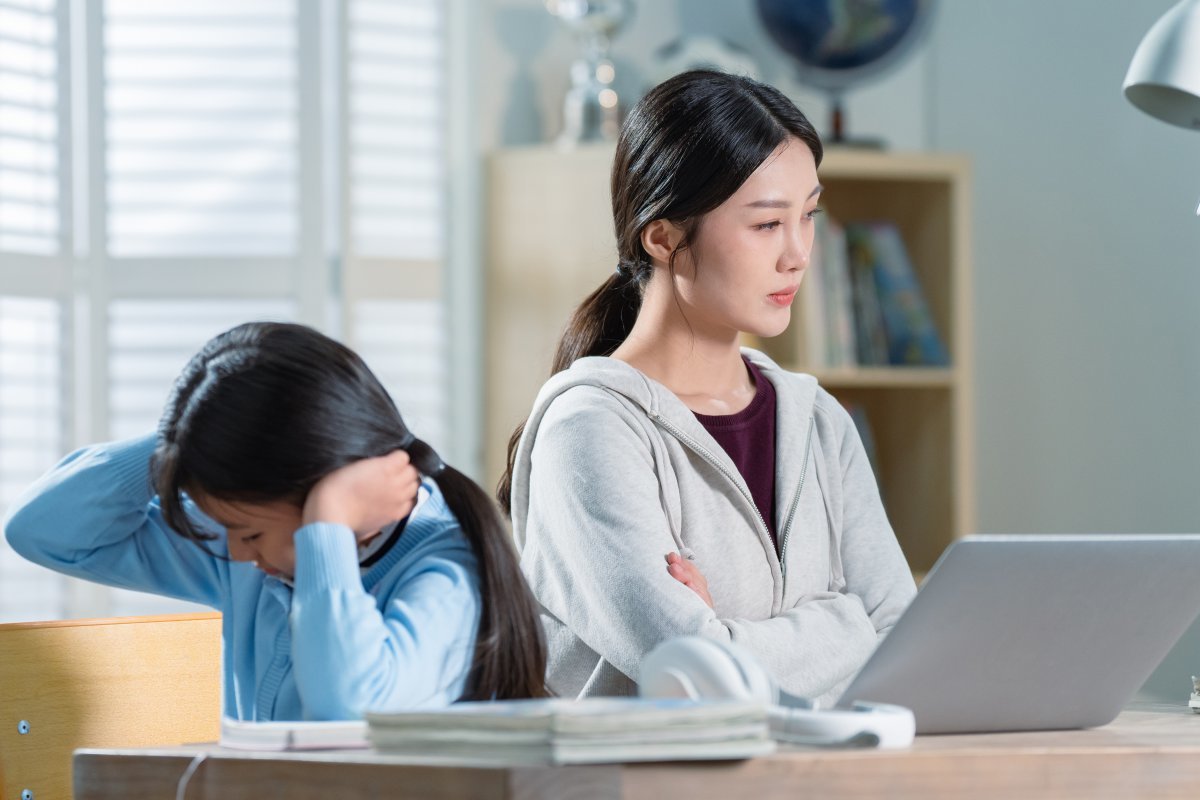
<point x="591" y="108"/>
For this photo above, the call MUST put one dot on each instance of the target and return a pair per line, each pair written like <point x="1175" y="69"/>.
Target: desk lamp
<point x="1164" y="76"/>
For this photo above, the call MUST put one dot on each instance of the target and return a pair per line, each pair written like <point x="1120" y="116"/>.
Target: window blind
<point x="29" y="130"/>
<point x="33" y="364"/>
<point x="202" y="127"/>
<point x="32" y="421"/>
<point x="395" y="177"/>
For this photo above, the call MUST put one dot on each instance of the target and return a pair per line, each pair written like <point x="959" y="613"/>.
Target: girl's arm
<point x="95" y="516"/>
<point x="350" y="656"/>
<point x="594" y="545"/>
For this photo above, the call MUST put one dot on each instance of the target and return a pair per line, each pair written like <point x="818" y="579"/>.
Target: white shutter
<point x="32" y="416"/>
<point x="29" y="128"/>
<point x="394" y="189"/>
<point x="202" y="127"/>
<point x="33" y="362"/>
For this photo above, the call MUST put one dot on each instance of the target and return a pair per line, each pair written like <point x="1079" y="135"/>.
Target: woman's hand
<point x="365" y="496"/>
<point x="687" y="573"/>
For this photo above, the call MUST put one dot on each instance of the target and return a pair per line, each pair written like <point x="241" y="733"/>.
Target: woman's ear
<point x="659" y="240"/>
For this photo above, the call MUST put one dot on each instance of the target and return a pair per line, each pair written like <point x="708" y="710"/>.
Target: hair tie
<point x="424" y="457"/>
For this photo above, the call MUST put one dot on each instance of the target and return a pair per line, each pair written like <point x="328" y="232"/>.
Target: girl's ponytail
<point x="510" y="651"/>
<point x="597" y="328"/>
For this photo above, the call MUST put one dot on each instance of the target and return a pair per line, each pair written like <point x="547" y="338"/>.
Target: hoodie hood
<point x="797" y="395"/>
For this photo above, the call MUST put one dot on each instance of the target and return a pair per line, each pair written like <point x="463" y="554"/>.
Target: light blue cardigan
<point x="340" y="642"/>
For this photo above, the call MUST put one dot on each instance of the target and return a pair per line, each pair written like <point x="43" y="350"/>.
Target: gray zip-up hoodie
<point x="614" y="471"/>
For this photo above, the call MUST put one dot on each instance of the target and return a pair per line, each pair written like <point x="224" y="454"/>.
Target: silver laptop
<point x="1016" y="633"/>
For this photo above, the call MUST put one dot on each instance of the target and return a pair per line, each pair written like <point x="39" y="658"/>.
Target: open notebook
<point x="337" y="735"/>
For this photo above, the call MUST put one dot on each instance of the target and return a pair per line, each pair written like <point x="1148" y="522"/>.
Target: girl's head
<point x="684" y="152"/>
<point x="266" y="410"/>
<point x="256" y="419"/>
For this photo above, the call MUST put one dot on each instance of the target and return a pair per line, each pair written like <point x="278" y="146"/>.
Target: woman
<point x="658" y="438"/>
<point x="354" y="569"/>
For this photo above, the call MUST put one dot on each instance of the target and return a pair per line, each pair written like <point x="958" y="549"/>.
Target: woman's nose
<point x="798" y="251"/>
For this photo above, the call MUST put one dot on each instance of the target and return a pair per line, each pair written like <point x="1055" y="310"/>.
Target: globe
<point x="840" y="43"/>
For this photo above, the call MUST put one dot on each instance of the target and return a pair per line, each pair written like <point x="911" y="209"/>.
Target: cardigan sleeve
<point x="410" y="648"/>
<point x="95" y="516"/>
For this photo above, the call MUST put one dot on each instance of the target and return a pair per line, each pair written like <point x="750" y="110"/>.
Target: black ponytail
<point x="510" y="652"/>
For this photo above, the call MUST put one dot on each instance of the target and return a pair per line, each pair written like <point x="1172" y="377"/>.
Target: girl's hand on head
<point x="365" y="496"/>
<point x="687" y="573"/>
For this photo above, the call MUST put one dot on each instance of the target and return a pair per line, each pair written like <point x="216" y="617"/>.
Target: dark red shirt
<point x="749" y="438"/>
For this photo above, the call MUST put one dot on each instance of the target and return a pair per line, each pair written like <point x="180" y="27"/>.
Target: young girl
<point x="355" y="570"/>
<point x="658" y="438"/>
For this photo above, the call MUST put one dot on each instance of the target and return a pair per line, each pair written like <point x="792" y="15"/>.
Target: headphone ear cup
<point x="704" y="669"/>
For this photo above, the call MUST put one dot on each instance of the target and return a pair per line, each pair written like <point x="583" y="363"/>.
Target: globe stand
<point x="837" y="128"/>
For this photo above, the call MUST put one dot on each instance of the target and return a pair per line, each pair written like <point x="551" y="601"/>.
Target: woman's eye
<point x="767" y="226"/>
<point x="814" y="212"/>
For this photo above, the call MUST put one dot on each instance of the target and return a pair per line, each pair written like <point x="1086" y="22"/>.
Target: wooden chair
<point x="122" y="682"/>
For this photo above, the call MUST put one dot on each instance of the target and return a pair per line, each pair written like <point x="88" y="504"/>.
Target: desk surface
<point x="1149" y="751"/>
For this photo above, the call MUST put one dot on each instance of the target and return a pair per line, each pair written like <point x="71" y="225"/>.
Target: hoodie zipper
<point x="703" y="451"/>
<point x="787" y="528"/>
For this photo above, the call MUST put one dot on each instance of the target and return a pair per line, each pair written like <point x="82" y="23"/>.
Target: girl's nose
<point x="240" y="552"/>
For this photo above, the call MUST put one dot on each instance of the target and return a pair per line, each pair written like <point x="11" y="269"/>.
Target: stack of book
<point x="861" y="303"/>
<point x="561" y="731"/>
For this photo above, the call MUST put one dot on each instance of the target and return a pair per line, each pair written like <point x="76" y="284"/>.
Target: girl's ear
<point x="659" y="240"/>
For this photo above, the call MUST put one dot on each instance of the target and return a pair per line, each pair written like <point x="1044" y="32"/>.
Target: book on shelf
<point x="561" y="731"/>
<point x="279" y="735"/>
<point x="870" y="334"/>
<point x="912" y="338"/>
<point x="861" y="303"/>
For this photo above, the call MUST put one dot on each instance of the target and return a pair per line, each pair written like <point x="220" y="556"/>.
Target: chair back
<point x="118" y="682"/>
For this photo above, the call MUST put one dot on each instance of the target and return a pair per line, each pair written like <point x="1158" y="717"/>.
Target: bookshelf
<point x="550" y="242"/>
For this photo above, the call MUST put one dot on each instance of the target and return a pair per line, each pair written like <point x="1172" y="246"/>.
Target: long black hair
<point x="265" y="410"/>
<point x="684" y="149"/>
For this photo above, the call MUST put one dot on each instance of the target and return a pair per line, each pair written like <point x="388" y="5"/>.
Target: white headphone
<point x="699" y="668"/>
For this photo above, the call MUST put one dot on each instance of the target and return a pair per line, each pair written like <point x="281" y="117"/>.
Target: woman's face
<point x="261" y="533"/>
<point x="749" y="254"/>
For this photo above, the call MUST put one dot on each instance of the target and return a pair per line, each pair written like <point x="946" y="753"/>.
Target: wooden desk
<point x="1149" y="751"/>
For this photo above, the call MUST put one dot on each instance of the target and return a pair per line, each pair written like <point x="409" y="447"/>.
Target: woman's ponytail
<point x="597" y="328"/>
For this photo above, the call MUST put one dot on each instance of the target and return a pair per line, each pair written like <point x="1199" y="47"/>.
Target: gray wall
<point x="1087" y="282"/>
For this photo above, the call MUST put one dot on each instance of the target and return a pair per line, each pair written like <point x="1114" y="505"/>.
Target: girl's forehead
<point x="238" y="513"/>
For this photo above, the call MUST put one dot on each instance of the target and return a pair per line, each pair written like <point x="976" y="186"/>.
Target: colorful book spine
<point x="912" y="338"/>
<point x="870" y="335"/>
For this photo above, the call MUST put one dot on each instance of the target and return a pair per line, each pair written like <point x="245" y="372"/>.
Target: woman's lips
<point x="785" y="297"/>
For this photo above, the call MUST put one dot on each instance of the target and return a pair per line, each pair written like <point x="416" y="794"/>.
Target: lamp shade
<point x="1164" y="76"/>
